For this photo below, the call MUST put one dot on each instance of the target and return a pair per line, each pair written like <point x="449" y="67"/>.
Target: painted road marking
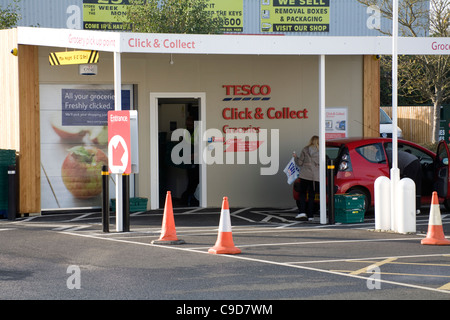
<point x="70" y="228"/>
<point x="378" y="264"/>
<point x="393" y="261"/>
<point x="313" y="242"/>
<point x="445" y="287"/>
<point x="82" y="217"/>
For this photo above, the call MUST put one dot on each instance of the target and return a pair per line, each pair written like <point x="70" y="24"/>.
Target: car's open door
<point x="441" y="170"/>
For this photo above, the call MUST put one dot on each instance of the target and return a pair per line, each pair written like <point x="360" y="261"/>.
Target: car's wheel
<point x="364" y="192"/>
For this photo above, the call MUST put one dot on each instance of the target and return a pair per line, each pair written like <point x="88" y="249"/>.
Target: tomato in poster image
<point x="81" y="171"/>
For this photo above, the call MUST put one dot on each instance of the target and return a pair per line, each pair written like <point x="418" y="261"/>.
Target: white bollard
<point x="382" y="201"/>
<point x="406" y="206"/>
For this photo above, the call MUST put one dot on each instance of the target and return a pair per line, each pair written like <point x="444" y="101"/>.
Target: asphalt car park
<point x="281" y="258"/>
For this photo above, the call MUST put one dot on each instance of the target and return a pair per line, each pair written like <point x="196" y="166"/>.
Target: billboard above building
<point x="295" y="16"/>
<point x="284" y="17"/>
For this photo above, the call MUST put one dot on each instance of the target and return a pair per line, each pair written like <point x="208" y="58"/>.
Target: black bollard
<point x="330" y="167"/>
<point x="126" y="202"/>
<point x="12" y="201"/>
<point x="105" y="199"/>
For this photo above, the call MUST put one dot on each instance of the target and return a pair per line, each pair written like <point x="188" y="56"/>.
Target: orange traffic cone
<point x="435" y="235"/>
<point x="224" y="243"/>
<point x="168" y="232"/>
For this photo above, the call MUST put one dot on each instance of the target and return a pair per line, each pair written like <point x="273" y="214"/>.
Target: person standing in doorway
<point x="308" y="162"/>
<point x="188" y="196"/>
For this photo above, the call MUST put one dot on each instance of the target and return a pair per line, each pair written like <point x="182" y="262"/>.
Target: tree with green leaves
<point x="172" y="16"/>
<point x="422" y="79"/>
<point x="9" y="15"/>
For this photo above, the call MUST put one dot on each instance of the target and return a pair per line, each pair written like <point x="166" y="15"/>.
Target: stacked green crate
<point x="7" y="158"/>
<point x="349" y="208"/>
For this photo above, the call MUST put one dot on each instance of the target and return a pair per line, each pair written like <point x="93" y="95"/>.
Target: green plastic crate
<point x="349" y="216"/>
<point x="7" y="158"/>
<point x="136" y="204"/>
<point x="349" y="208"/>
<point x="349" y="201"/>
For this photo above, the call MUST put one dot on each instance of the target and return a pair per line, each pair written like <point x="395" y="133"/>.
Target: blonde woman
<point x="308" y="162"/>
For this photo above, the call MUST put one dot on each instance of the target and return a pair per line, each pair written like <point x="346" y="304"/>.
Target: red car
<point x="359" y="162"/>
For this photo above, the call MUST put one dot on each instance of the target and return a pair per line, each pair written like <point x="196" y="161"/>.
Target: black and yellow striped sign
<point x="73" y="57"/>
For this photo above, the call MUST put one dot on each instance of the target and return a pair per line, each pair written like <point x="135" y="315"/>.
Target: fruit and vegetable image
<point x="81" y="171"/>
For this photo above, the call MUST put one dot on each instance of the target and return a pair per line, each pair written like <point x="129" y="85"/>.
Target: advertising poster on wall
<point x="104" y="14"/>
<point x="295" y="16"/>
<point x="111" y="14"/>
<point x="336" y="123"/>
<point x="74" y="143"/>
<point x="231" y="11"/>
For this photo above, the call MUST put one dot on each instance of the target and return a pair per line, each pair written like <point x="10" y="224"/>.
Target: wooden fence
<point x="415" y="122"/>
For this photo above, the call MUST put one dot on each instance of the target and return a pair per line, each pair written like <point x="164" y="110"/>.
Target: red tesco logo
<point x="246" y="90"/>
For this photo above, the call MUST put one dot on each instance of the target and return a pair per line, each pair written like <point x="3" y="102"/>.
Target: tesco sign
<point x="246" y="90"/>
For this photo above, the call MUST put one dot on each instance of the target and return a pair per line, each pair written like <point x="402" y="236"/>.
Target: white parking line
<point x="192" y="211"/>
<point x="315" y="242"/>
<point x="25" y="220"/>
<point x="235" y="214"/>
<point x="70" y="228"/>
<point x="269" y="216"/>
<point x="82" y="216"/>
<point x="367" y="258"/>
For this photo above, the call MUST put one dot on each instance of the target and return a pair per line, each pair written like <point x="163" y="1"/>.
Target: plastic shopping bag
<point x="292" y="171"/>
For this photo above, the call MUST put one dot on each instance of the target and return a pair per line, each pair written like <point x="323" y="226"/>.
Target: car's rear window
<point x="372" y="152"/>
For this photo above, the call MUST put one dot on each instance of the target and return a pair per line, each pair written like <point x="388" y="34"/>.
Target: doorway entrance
<point x="185" y="181"/>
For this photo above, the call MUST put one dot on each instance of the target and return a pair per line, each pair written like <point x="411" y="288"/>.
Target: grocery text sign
<point x="119" y="142"/>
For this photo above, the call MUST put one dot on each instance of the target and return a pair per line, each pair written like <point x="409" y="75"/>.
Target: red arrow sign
<point x="118" y="154"/>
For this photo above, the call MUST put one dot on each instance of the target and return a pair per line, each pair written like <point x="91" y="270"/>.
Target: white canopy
<point x="124" y="42"/>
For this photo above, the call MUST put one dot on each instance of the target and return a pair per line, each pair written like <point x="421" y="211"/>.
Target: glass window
<point x="384" y="118"/>
<point x="372" y="153"/>
<point x="442" y="156"/>
<point x="423" y="157"/>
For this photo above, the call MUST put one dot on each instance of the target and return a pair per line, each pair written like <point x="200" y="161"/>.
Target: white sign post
<point x="118" y="107"/>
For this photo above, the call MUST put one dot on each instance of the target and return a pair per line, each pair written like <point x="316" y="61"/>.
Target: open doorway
<point x="170" y="111"/>
<point x="182" y="180"/>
